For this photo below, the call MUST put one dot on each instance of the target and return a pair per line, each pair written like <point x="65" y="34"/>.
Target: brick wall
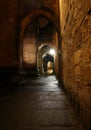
<point x="75" y="21"/>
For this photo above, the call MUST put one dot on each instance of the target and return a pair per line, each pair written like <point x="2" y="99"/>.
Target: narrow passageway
<point x="40" y="104"/>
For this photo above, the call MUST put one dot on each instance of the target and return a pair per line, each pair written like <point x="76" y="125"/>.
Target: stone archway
<point x="48" y="59"/>
<point x="28" y="19"/>
<point x="42" y="51"/>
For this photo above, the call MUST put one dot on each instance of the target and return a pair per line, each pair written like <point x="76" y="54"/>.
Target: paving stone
<point x="36" y="107"/>
<point x="53" y="117"/>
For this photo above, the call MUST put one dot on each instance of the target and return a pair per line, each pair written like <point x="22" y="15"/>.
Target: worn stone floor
<point x="39" y="104"/>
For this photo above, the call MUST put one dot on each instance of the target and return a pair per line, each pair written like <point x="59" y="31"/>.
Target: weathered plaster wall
<point x="29" y="52"/>
<point x="29" y="47"/>
<point x="75" y="21"/>
<point x="8" y="33"/>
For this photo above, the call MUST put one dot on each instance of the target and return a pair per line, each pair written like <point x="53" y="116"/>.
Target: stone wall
<point x="56" y="57"/>
<point x="26" y="6"/>
<point x="29" y="52"/>
<point x="75" y="21"/>
<point x="8" y="33"/>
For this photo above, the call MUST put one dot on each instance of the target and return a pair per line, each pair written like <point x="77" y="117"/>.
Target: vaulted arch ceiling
<point x="36" y="13"/>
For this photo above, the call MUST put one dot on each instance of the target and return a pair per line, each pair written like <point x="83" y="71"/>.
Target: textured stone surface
<point x="76" y="55"/>
<point x="75" y="23"/>
<point x="26" y="6"/>
<point x="37" y="106"/>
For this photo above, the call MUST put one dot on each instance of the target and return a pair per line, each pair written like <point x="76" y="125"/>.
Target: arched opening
<point x="48" y="63"/>
<point x="38" y="28"/>
<point x="50" y="68"/>
<point x="46" y="59"/>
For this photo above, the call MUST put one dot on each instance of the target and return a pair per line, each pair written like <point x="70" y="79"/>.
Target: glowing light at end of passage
<point x="52" y="52"/>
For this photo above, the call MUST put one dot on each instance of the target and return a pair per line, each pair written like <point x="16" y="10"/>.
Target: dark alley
<point x="45" y="65"/>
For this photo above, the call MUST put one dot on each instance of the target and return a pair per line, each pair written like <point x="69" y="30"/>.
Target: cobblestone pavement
<point x="40" y="104"/>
